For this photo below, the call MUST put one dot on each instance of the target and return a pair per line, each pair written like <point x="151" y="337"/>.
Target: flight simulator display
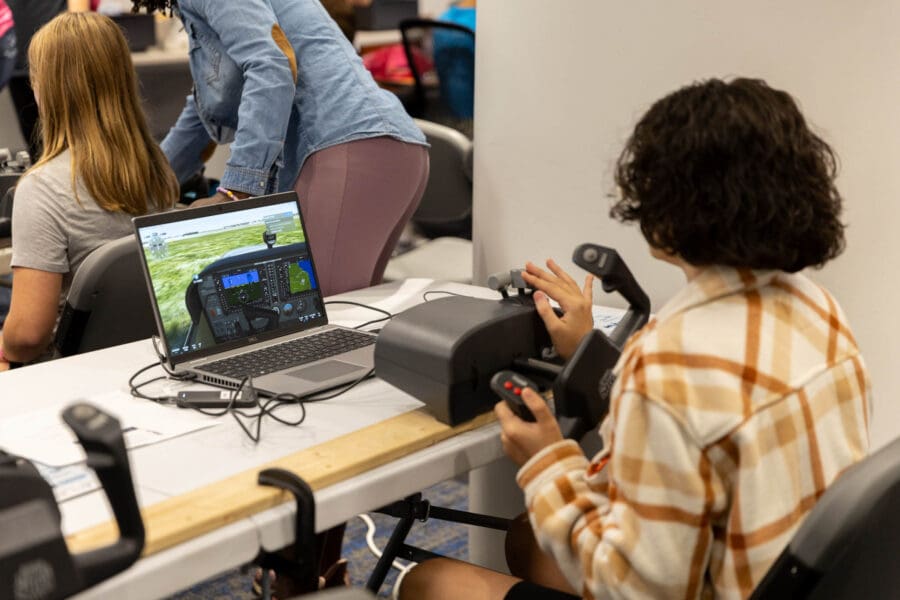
<point x="231" y="276"/>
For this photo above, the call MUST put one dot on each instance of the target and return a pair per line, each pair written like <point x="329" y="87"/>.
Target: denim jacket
<point x="246" y="92"/>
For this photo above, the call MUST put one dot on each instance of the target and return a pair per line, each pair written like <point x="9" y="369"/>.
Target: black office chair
<point x="164" y="86"/>
<point x="849" y="545"/>
<point x="446" y="94"/>
<point x="107" y="303"/>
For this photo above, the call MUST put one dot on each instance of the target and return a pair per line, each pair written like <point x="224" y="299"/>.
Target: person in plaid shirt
<point x="734" y="408"/>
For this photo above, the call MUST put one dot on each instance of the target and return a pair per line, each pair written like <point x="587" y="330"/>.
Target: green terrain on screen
<point x="298" y="279"/>
<point x="188" y="256"/>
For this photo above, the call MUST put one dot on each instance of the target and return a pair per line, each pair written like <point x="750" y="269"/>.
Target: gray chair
<point x="6" y="201"/>
<point x="164" y="85"/>
<point x="446" y="207"/>
<point x="849" y="544"/>
<point x="107" y="303"/>
<point x="7" y="193"/>
<point x="444" y="216"/>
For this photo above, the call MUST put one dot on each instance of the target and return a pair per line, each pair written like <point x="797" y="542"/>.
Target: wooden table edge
<point x="182" y="518"/>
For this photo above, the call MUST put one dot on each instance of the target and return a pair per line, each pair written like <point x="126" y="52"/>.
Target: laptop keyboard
<point x="290" y="354"/>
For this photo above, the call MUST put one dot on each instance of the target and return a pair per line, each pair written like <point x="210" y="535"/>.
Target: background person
<point x="734" y="408"/>
<point x="279" y="80"/>
<point x="454" y="59"/>
<point x="100" y="168"/>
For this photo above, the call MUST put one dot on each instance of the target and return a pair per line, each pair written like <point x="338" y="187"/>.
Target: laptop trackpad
<point x="324" y="371"/>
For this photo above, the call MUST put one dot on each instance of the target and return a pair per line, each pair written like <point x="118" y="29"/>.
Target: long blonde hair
<point x="88" y="102"/>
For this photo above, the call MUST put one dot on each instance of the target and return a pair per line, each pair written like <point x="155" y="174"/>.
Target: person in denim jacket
<point x="279" y="81"/>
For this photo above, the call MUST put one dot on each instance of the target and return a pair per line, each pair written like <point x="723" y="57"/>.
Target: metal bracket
<point x="303" y="566"/>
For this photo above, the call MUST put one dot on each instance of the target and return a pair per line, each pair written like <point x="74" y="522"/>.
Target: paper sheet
<point x="42" y="437"/>
<point x="69" y="482"/>
<point x="606" y="318"/>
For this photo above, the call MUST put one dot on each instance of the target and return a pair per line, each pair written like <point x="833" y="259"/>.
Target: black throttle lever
<point x="303" y="565"/>
<point x="34" y="559"/>
<point x="582" y="389"/>
<point x="100" y="434"/>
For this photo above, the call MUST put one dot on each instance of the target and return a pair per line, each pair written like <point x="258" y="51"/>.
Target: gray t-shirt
<point x="51" y="231"/>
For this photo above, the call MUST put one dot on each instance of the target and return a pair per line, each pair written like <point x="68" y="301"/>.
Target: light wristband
<point x="228" y="193"/>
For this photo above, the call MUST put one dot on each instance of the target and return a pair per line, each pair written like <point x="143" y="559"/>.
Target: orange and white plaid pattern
<point x="734" y="409"/>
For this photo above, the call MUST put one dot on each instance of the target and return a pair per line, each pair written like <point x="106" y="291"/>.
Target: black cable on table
<point x="266" y="408"/>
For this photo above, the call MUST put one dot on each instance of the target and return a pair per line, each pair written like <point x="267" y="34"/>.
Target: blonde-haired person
<point x="100" y="167"/>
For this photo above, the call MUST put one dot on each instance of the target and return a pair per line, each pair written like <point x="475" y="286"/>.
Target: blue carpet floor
<point x="448" y="539"/>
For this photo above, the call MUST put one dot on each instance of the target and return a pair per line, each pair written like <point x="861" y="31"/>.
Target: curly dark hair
<point x="729" y="173"/>
<point x="164" y="6"/>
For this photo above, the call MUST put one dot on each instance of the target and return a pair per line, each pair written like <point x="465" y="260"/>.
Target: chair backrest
<point x="163" y="88"/>
<point x="6" y="206"/>
<point x="849" y="544"/>
<point x="8" y="183"/>
<point x="446" y="206"/>
<point x="446" y="93"/>
<point x="107" y="303"/>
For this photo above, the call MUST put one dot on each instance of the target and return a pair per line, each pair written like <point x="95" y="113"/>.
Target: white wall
<point x="559" y="86"/>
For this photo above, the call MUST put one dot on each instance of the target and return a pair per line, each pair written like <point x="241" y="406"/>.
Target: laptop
<point x="235" y="295"/>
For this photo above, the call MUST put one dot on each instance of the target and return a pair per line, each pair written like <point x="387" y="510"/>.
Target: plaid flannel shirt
<point x="734" y="409"/>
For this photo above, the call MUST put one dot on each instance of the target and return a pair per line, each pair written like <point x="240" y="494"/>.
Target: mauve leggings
<point x="356" y="198"/>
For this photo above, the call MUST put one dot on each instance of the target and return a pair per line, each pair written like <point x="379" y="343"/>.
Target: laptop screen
<point x="229" y="275"/>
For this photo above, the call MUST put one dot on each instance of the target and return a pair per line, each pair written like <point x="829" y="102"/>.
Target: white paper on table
<point x="606" y="318"/>
<point x="41" y="436"/>
<point x="69" y="482"/>
<point x="349" y="316"/>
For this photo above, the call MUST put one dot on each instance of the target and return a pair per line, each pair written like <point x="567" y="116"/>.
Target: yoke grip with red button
<point x="509" y="385"/>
